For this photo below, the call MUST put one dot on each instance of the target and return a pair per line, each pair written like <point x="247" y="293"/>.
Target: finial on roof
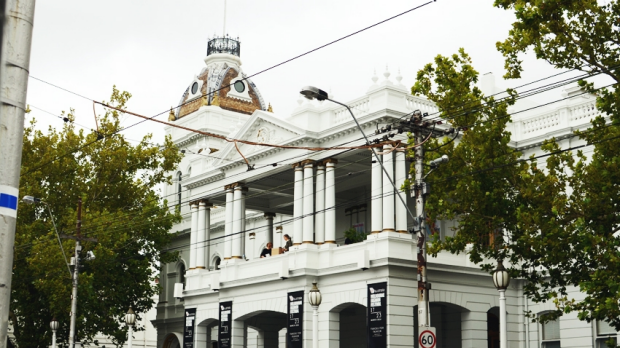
<point x="171" y="116"/>
<point x="399" y="77"/>
<point x="374" y="76"/>
<point x="269" y="108"/>
<point x="386" y="73"/>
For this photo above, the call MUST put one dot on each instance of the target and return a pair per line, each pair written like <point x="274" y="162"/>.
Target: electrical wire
<point x="250" y="76"/>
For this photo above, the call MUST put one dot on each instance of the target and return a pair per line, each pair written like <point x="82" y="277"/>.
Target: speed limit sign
<point x="427" y="338"/>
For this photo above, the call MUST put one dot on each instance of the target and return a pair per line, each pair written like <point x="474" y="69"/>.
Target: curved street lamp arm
<point x="376" y="157"/>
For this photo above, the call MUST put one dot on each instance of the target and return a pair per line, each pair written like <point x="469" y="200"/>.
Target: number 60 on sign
<point x="427" y="338"/>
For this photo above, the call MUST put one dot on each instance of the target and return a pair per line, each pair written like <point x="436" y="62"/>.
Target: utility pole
<point x="76" y="271"/>
<point x="17" y="32"/>
<point x="421" y="130"/>
<point x="420" y="190"/>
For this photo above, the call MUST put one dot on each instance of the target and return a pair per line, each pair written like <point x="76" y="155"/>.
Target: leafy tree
<point x="483" y="201"/>
<point x="582" y="35"/>
<point x="122" y="209"/>
<point x="557" y="221"/>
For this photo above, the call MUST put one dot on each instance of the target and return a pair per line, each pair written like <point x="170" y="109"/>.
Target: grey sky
<point x="154" y="48"/>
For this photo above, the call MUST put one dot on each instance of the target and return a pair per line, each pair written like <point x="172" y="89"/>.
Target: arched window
<point x="179" y="176"/>
<point x="216" y="263"/>
<point x="181" y="275"/>
<point x="550" y="334"/>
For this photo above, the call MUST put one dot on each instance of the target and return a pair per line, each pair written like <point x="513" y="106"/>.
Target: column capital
<point x="279" y="229"/>
<point x="308" y="163"/>
<point x="330" y="160"/>
<point x="297" y="165"/>
<point x="233" y="185"/>
<point x="194" y="202"/>
<point x="205" y="202"/>
<point x="270" y="215"/>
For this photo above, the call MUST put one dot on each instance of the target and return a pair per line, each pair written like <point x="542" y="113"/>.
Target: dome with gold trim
<point x="221" y="83"/>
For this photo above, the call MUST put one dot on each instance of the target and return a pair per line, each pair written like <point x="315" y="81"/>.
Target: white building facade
<point x="236" y="196"/>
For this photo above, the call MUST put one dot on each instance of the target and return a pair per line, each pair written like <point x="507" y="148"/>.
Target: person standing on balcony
<point x="289" y="242"/>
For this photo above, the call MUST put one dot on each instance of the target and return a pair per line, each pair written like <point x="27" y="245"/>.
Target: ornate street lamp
<point x="54" y="326"/>
<point x="130" y="320"/>
<point x="314" y="298"/>
<point x="501" y="280"/>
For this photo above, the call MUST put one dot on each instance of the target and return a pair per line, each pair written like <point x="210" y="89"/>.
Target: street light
<point x="34" y="200"/>
<point x="311" y="93"/>
<point x="54" y="326"/>
<point x="130" y="320"/>
<point x="501" y="280"/>
<point x="314" y="298"/>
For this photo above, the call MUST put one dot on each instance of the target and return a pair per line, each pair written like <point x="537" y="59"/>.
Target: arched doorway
<point x="207" y="334"/>
<point x="173" y="340"/>
<point x="493" y="327"/>
<point x="446" y="319"/>
<point x="263" y="328"/>
<point x="352" y="331"/>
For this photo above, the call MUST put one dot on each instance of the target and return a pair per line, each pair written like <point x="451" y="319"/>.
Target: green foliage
<point x="354" y="236"/>
<point x="579" y="229"/>
<point x="484" y="201"/>
<point x="121" y="208"/>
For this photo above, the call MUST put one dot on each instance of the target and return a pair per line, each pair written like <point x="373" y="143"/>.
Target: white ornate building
<point x="235" y="197"/>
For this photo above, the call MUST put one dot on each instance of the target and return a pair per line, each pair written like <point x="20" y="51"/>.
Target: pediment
<point x="262" y="127"/>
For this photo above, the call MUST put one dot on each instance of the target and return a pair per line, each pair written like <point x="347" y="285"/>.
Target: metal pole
<point x="130" y="338"/>
<point x="315" y="327"/>
<point x="503" y="342"/>
<point x="13" y="87"/>
<point x="53" y="338"/>
<point x="423" y="312"/>
<point x="76" y="270"/>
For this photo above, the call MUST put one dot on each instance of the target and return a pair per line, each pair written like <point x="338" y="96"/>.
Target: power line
<point x="255" y="74"/>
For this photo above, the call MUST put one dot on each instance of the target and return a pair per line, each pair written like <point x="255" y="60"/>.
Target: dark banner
<point x="225" y="326"/>
<point x="190" y="328"/>
<point x="377" y="315"/>
<point x="294" y="335"/>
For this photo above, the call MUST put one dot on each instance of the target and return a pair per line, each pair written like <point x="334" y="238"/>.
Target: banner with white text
<point x="377" y="315"/>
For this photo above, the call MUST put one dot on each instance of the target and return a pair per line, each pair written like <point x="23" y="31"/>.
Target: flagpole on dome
<point x="224" y="29"/>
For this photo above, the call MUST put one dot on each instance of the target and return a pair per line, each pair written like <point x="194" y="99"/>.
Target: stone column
<point x="236" y="223"/>
<point x="388" y="192"/>
<point x="193" y="235"/>
<point x="207" y="243"/>
<point x="228" y="227"/>
<point x="399" y="179"/>
<point x="269" y="237"/>
<point x="298" y="204"/>
<point x="319" y="221"/>
<point x="376" y="192"/>
<point x="200" y="242"/>
<point x="244" y="193"/>
<point x="308" y="205"/>
<point x="330" y="200"/>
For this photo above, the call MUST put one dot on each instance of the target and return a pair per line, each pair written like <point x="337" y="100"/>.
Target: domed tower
<point x="221" y="83"/>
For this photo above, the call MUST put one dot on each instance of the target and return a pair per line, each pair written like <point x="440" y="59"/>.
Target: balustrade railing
<point x="359" y="108"/>
<point x="224" y="45"/>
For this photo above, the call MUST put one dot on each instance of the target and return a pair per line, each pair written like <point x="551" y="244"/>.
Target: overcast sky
<point x="154" y="48"/>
